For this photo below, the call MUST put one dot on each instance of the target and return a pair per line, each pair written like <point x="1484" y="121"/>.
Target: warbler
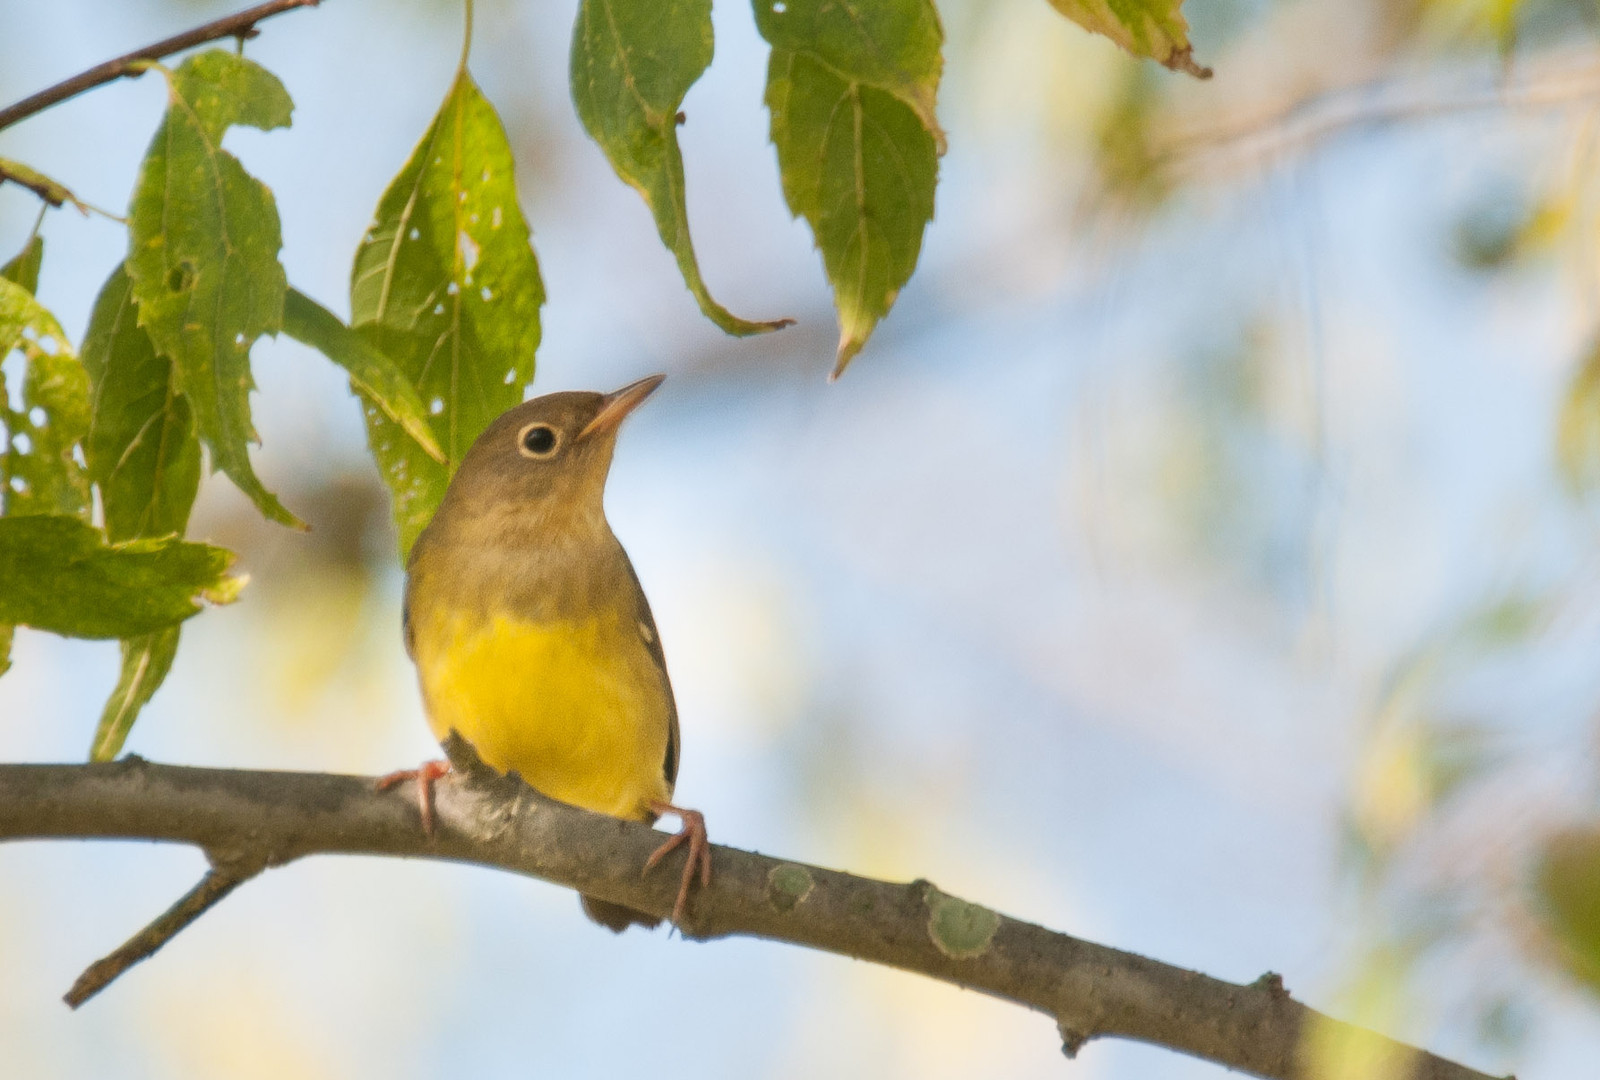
<point x="532" y="637"/>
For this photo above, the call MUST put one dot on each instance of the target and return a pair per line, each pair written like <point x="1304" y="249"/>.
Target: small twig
<point x="220" y="880"/>
<point x="240" y="25"/>
<point x="52" y="192"/>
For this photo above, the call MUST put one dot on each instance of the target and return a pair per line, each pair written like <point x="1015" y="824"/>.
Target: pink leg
<point x="424" y="774"/>
<point x="693" y="833"/>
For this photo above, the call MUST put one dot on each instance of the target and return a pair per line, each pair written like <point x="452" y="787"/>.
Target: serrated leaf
<point x="1152" y="28"/>
<point x="446" y="284"/>
<point x="145" y="456"/>
<point x="39" y="473"/>
<point x="633" y="61"/>
<point x="1567" y="884"/>
<point x="203" y="253"/>
<point x="893" y="45"/>
<point x="23" y="267"/>
<point x="145" y="662"/>
<point x="860" y="166"/>
<point x="372" y="374"/>
<point x="58" y="573"/>
<point x="142" y="448"/>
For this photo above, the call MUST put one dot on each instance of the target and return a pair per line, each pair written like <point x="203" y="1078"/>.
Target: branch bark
<point x="239" y="25"/>
<point x="247" y="820"/>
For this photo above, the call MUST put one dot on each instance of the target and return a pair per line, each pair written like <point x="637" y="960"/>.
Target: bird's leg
<point x="693" y="833"/>
<point x="424" y="774"/>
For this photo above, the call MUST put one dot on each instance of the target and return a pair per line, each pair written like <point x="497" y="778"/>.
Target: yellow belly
<point x="580" y="710"/>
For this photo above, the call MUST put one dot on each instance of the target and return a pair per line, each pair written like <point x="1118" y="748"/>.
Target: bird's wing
<point x="652" y="643"/>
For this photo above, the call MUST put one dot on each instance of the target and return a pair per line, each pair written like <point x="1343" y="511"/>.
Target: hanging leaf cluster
<point x="104" y="448"/>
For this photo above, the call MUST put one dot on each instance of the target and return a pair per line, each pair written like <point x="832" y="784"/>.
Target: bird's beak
<point x="616" y="406"/>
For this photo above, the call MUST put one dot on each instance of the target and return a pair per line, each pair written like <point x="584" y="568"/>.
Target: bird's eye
<point x="538" y="440"/>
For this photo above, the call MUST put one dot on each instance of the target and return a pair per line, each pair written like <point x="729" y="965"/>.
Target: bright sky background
<point x="1082" y="594"/>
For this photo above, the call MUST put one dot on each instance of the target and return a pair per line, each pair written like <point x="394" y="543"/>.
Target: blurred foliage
<point x="1578" y="426"/>
<point x="1373" y="1001"/>
<point x="1567" y="883"/>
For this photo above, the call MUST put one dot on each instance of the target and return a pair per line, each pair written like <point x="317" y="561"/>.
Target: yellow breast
<point x="579" y="708"/>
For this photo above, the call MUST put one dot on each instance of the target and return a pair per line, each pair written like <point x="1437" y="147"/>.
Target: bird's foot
<point x="693" y="833"/>
<point x="424" y="774"/>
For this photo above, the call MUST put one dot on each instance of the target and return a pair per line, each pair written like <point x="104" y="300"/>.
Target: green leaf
<point x="1567" y="885"/>
<point x="58" y="573"/>
<point x="222" y="89"/>
<point x="446" y="284"/>
<point x="632" y="63"/>
<point x="860" y="165"/>
<point x="142" y="448"/>
<point x="1153" y="28"/>
<point x="145" y="662"/>
<point x="891" y="45"/>
<point x="203" y="253"/>
<point x="145" y="456"/>
<point x="39" y="473"/>
<point x="372" y="374"/>
<point x="6" y="633"/>
<point x="23" y="269"/>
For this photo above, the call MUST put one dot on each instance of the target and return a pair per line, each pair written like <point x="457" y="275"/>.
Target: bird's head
<point x="543" y="464"/>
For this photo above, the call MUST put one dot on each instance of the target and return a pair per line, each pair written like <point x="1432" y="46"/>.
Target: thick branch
<point x="240" y="25"/>
<point x="271" y="818"/>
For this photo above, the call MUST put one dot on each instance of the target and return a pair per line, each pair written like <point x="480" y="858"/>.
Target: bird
<point x="532" y="637"/>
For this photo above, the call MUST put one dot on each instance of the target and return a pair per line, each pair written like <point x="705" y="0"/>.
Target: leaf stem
<point x="240" y="25"/>
<point x="466" y="42"/>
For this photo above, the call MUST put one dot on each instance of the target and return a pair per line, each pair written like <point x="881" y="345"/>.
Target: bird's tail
<point x="615" y="917"/>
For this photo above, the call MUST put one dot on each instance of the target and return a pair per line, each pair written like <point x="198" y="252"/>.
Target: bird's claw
<point x="693" y="833"/>
<point x="424" y="774"/>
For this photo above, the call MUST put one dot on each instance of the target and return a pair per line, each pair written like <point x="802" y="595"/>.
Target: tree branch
<point x="217" y="884"/>
<point x="250" y="820"/>
<point x="240" y="25"/>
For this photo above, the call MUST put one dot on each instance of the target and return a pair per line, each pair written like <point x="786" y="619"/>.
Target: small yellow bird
<point x="532" y="637"/>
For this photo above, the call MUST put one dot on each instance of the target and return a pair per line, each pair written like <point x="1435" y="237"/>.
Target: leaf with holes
<point x="851" y="99"/>
<point x="446" y="284"/>
<point x="144" y="455"/>
<point x="1153" y="28"/>
<point x="23" y="267"/>
<point x="39" y="470"/>
<point x="632" y="63"/>
<point x="373" y="375"/>
<point x="58" y="573"/>
<point x="203" y="252"/>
